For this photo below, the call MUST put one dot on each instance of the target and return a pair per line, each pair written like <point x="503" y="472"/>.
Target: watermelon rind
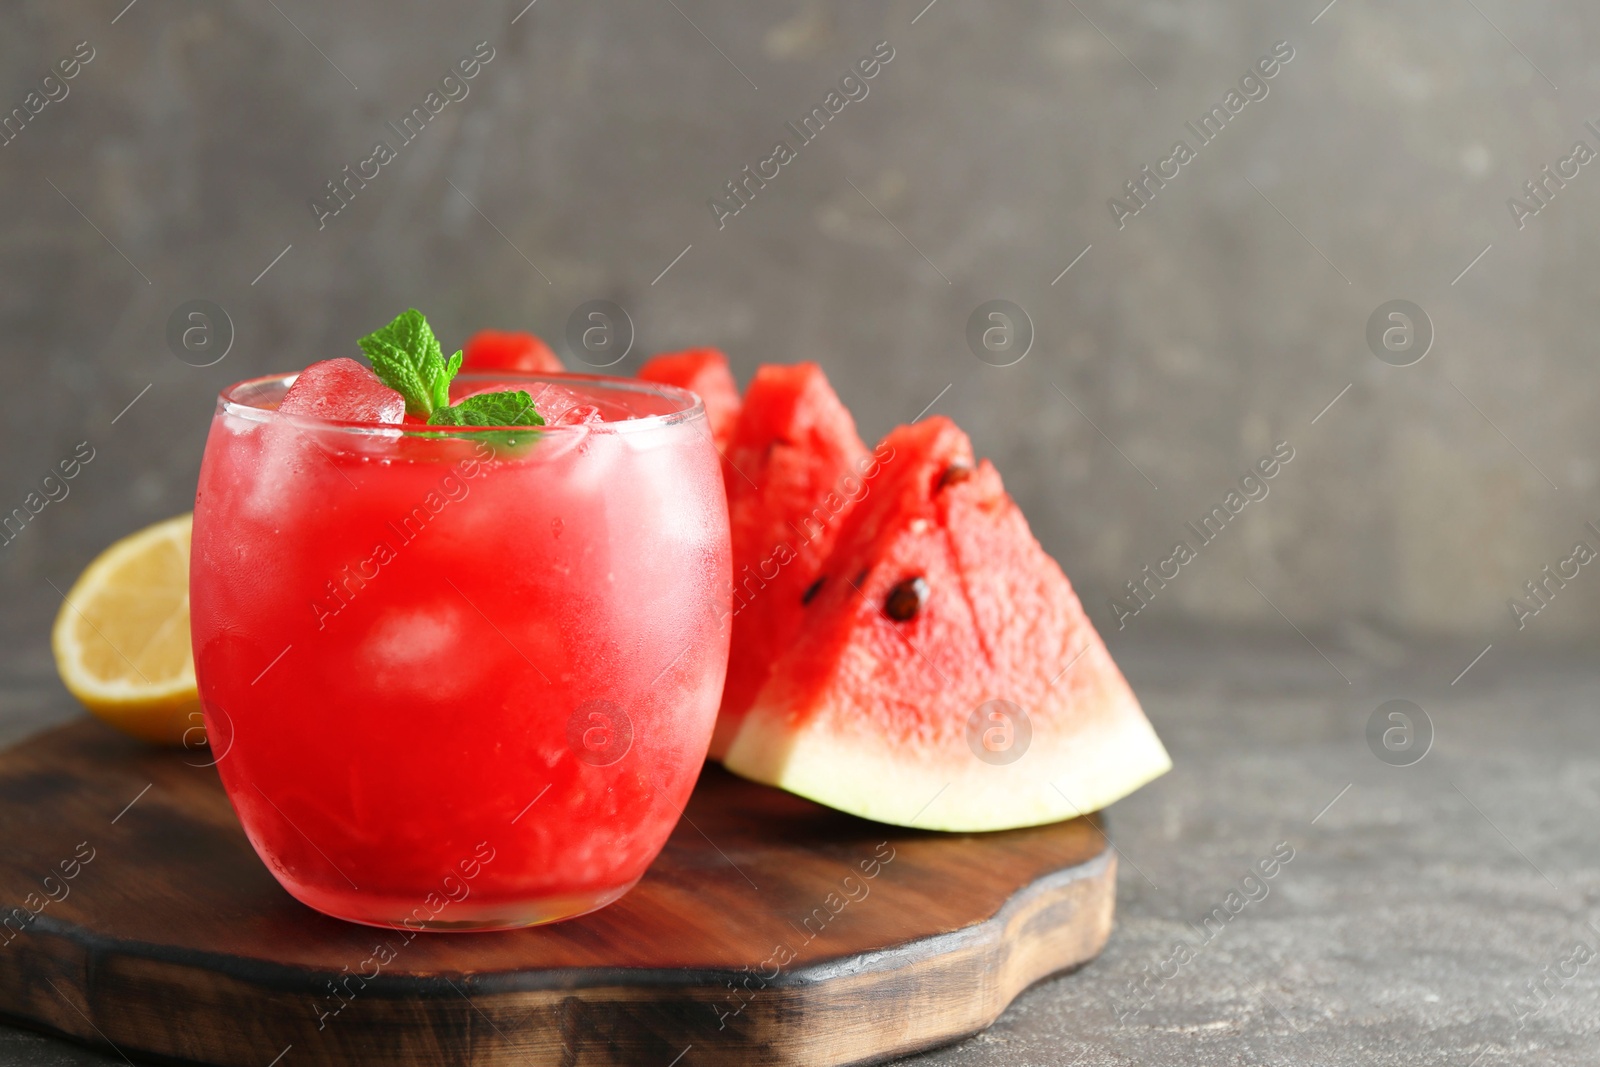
<point x="1079" y="761"/>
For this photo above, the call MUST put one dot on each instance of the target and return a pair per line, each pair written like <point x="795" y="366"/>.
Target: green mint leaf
<point x="407" y="358"/>
<point x="494" y="409"/>
<point x="446" y="417"/>
<point x="513" y="408"/>
<point x="396" y="370"/>
<point x="450" y="371"/>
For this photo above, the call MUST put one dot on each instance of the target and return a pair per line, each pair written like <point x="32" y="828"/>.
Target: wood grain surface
<point x="770" y="931"/>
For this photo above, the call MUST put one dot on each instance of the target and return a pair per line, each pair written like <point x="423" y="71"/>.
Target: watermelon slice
<point x="795" y="469"/>
<point x="704" y="371"/>
<point x="509" y="350"/>
<point x="945" y="674"/>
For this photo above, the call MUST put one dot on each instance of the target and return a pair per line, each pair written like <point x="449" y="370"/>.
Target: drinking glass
<point x="461" y="680"/>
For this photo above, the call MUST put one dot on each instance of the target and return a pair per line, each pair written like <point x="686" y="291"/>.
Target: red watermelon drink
<point x="462" y="678"/>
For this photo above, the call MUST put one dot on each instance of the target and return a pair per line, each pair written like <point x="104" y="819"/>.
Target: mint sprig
<point x="407" y="358"/>
<point x="490" y="409"/>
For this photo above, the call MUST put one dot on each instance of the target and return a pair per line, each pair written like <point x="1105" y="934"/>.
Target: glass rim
<point x="231" y="401"/>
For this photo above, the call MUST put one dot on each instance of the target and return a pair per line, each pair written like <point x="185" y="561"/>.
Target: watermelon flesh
<point x="344" y="390"/>
<point x="945" y="673"/>
<point x="703" y="371"/>
<point x="490" y="350"/>
<point x="796" y="468"/>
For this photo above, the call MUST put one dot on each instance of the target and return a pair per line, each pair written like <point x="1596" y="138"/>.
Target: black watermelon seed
<point x="811" y="593"/>
<point x="958" y="472"/>
<point x="905" y="600"/>
<point x="859" y="579"/>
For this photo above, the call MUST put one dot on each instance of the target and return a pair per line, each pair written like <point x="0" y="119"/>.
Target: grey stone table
<point x="1432" y="914"/>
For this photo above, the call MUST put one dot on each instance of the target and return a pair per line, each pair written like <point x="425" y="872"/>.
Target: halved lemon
<point x="121" y="639"/>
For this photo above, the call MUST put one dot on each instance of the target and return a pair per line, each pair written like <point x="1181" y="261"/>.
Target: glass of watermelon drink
<point x="463" y="680"/>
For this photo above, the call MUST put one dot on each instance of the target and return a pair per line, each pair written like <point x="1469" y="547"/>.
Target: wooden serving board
<point x="770" y="931"/>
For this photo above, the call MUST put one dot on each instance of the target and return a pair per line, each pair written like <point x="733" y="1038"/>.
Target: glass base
<point x="466" y="917"/>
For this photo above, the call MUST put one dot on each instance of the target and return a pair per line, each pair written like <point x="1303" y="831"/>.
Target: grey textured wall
<point x="1220" y="319"/>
